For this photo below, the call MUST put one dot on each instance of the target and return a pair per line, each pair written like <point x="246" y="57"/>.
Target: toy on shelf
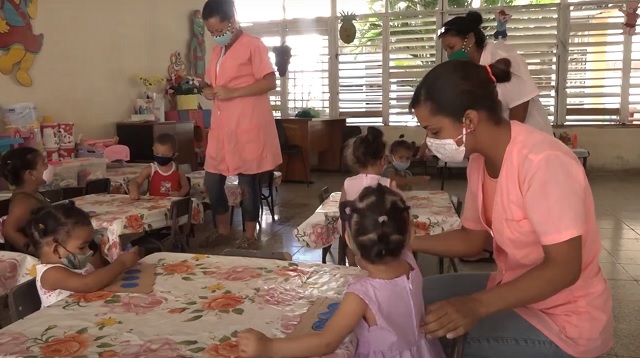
<point x="103" y="148"/>
<point x="22" y="123"/>
<point x="502" y="18"/>
<point x="630" y="17"/>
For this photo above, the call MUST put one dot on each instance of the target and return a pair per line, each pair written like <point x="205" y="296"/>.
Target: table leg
<point x="342" y="251"/>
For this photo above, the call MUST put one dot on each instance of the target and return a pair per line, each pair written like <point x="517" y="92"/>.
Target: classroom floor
<point x="617" y="207"/>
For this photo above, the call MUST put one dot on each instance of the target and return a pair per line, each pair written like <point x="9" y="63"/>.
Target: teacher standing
<point x="243" y="139"/>
<point x="463" y="39"/>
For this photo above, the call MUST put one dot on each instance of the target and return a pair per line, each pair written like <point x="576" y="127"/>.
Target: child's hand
<point x="129" y="258"/>
<point x="420" y="180"/>
<point x="175" y="194"/>
<point x="208" y="93"/>
<point x="253" y="343"/>
<point x="134" y="195"/>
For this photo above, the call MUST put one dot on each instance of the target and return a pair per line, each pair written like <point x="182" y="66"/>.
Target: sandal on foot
<point x="248" y="243"/>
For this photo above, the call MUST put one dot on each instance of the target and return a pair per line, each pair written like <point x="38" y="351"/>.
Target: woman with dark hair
<point x="463" y="39"/>
<point x="243" y="140"/>
<point x="529" y="192"/>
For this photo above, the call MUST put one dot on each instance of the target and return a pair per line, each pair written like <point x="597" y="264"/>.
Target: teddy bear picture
<point x="502" y="18"/>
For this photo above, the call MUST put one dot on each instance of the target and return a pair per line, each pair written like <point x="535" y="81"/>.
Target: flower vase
<point x="186" y="102"/>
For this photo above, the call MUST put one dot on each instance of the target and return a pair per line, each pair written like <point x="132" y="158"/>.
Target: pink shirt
<point x="243" y="137"/>
<point x="543" y="197"/>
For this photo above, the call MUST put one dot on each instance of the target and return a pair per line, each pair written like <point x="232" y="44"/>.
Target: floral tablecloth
<point x="15" y="268"/>
<point x="234" y="194"/>
<point x="120" y="177"/>
<point x="432" y="209"/>
<point x="115" y="214"/>
<point x="198" y="306"/>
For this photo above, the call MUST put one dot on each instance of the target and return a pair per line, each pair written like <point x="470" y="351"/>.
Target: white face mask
<point x="447" y="149"/>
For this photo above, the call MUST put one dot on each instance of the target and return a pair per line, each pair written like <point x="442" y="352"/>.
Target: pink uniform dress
<point x="354" y="185"/>
<point x="542" y="197"/>
<point x="398" y="307"/>
<point x="243" y="137"/>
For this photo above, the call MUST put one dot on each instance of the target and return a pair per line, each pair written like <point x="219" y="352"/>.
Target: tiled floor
<point x="617" y="205"/>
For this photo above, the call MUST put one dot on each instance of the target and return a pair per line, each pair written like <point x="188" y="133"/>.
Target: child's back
<point x="354" y="185"/>
<point x="398" y="307"/>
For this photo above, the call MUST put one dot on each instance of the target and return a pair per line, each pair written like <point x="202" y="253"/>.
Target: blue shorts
<point x="500" y="34"/>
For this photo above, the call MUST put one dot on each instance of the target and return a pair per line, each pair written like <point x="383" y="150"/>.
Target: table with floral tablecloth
<point x="198" y="305"/>
<point x="432" y="209"/>
<point x="118" y="214"/>
<point x="15" y="268"/>
<point x="120" y="177"/>
<point x="234" y="194"/>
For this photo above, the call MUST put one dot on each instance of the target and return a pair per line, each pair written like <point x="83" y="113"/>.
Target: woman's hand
<point x="451" y="318"/>
<point x="253" y="343"/>
<point x="224" y="93"/>
<point x="208" y="93"/>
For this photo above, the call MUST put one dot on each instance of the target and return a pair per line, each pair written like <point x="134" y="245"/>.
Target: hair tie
<point x="347" y="210"/>
<point x="491" y="74"/>
<point x="40" y="227"/>
<point x="382" y="219"/>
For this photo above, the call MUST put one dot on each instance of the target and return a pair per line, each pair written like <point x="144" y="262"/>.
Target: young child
<point x="23" y="168"/>
<point x="60" y="235"/>
<point x="401" y="152"/>
<point x="384" y="309"/>
<point x="165" y="179"/>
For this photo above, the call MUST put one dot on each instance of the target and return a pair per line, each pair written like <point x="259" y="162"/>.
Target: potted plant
<point x="185" y="90"/>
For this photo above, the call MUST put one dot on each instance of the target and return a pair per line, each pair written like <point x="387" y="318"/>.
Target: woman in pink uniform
<point x="527" y="190"/>
<point x="243" y="140"/>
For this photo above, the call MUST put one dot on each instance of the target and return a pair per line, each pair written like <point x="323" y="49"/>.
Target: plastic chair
<point x="98" y="186"/>
<point x="457" y="206"/>
<point x="53" y="195"/>
<point x="457" y="350"/>
<point x="178" y="235"/>
<point x="117" y="152"/>
<point x="288" y="150"/>
<point x="24" y="300"/>
<point x="272" y="255"/>
<point x="323" y="195"/>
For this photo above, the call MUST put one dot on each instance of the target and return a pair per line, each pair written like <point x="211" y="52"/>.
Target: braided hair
<point x="55" y="222"/>
<point x="378" y="222"/>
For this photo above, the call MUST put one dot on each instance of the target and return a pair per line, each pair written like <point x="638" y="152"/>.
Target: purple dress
<point x="399" y="308"/>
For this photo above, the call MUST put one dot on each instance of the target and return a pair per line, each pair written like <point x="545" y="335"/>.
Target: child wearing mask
<point x="401" y="152"/>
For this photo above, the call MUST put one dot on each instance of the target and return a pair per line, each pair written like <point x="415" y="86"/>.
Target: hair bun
<point x="474" y="20"/>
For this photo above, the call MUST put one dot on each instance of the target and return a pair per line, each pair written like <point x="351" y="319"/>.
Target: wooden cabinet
<point x="138" y="136"/>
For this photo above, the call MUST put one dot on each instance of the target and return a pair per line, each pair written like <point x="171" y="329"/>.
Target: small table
<point x="117" y="214"/>
<point x="15" y="268"/>
<point x="198" y="306"/>
<point x="433" y="208"/>
<point x="582" y="154"/>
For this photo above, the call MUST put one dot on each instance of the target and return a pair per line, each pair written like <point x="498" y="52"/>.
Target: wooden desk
<point x="323" y="137"/>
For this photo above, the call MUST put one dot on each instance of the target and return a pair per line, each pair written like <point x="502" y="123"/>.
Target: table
<point x="117" y="215"/>
<point x="323" y="137"/>
<point x="198" y="305"/>
<point x="432" y="208"/>
<point x="120" y="178"/>
<point x="15" y="268"/>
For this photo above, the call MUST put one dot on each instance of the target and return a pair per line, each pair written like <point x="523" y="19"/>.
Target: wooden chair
<point x="72" y="192"/>
<point x="265" y="180"/>
<point x="457" y="206"/>
<point x="24" y="300"/>
<point x="177" y="236"/>
<point x="323" y="195"/>
<point x="272" y="255"/>
<point x="289" y="150"/>
<point x="98" y="186"/>
<point x="4" y="211"/>
<point x="53" y="195"/>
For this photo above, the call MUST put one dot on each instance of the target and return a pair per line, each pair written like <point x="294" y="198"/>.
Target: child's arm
<point x="61" y="278"/>
<point x="351" y="310"/>
<point x="135" y="184"/>
<point x="184" y="186"/>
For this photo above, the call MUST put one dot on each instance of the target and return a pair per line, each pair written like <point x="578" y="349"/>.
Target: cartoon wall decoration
<point x="348" y="29"/>
<point x="17" y="40"/>
<point x="177" y="67"/>
<point x="630" y="17"/>
<point x="502" y="18"/>
<point x="197" y="46"/>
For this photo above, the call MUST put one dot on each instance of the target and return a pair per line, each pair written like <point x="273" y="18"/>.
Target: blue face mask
<point x="224" y="39"/>
<point x="76" y="261"/>
<point x="402" y="166"/>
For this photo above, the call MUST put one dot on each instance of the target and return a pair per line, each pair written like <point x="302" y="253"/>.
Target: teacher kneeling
<point x="527" y="190"/>
<point x="243" y="139"/>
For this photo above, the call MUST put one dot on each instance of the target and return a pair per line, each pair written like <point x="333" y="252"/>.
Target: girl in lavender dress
<point x="385" y="308"/>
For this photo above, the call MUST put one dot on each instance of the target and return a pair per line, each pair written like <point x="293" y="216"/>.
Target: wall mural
<point x="197" y="46"/>
<point x="19" y="45"/>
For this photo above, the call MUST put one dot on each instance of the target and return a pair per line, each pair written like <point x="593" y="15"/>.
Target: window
<point x="634" y="82"/>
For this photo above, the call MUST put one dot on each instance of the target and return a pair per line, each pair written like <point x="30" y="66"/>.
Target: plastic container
<point x="91" y="169"/>
<point x="66" y="153"/>
<point x="52" y="154"/>
<point x="20" y="114"/>
<point x="50" y="135"/>
<point x="7" y="143"/>
<point x="66" y="135"/>
<point x="63" y="174"/>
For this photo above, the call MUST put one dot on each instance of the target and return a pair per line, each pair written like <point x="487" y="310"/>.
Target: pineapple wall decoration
<point x="283" y="58"/>
<point x="348" y="28"/>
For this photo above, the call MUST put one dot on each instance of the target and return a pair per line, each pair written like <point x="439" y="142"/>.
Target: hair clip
<point x="347" y="210"/>
<point x="382" y="219"/>
<point x="40" y="227"/>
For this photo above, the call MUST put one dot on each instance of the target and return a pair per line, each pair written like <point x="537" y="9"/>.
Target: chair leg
<point x="325" y="252"/>
<point x="306" y="168"/>
<point x="232" y="209"/>
<point x="454" y="265"/>
<point x="342" y="251"/>
<point x="441" y="265"/>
